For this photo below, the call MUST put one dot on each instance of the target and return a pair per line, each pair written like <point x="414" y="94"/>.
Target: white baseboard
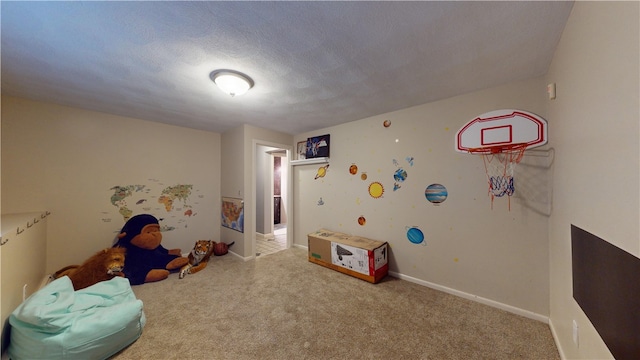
<point x="301" y="246"/>
<point x="556" y="340"/>
<point x="485" y="301"/>
<point x="269" y="236"/>
<point x="242" y="257"/>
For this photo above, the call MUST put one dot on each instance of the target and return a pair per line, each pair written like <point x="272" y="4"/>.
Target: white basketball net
<point x="499" y="167"/>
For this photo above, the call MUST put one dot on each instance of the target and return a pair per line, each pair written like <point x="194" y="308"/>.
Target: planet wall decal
<point x="322" y="171"/>
<point x="436" y="193"/>
<point x="400" y="175"/>
<point x="415" y="235"/>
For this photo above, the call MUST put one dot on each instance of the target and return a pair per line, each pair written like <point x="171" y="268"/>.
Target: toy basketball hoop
<point x="501" y="138"/>
<point x="500" y="162"/>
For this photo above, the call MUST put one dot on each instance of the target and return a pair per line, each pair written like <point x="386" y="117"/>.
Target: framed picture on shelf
<point x="302" y="149"/>
<point x="318" y="146"/>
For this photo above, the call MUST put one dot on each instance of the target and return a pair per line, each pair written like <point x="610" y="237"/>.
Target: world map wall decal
<point x="173" y="204"/>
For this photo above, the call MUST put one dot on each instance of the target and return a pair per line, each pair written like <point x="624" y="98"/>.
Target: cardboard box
<point x="360" y="257"/>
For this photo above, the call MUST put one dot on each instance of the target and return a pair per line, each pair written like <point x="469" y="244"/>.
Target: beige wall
<point x="1" y="192"/>
<point x="471" y="250"/>
<point x="66" y="160"/>
<point x="595" y="131"/>
<point x="232" y="179"/>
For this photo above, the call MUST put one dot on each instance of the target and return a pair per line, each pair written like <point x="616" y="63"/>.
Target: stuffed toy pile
<point x="146" y="259"/>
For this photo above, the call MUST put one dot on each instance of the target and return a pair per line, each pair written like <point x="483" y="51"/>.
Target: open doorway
<point x="271" y="194"/>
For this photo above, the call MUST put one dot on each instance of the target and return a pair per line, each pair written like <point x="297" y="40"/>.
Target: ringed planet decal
<point x="415" y="235"/>
<point x="322" y="171"/>
<point x="353" y="169"/>
<point x="376" y="190"/>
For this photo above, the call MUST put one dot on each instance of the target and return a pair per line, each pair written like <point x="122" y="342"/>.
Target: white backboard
<point x="502" y="127"/>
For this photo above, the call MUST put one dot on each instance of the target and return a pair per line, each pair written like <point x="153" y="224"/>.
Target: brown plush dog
<point x="103" y="265"/>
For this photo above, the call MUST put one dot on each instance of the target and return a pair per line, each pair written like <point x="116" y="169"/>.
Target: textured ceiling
<point x="315" y="64"/>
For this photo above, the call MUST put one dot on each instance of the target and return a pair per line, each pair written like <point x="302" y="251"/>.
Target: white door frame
<point x="289" y="190"/>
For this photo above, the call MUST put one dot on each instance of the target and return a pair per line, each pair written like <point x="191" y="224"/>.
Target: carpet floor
<point x="280" y="306"/>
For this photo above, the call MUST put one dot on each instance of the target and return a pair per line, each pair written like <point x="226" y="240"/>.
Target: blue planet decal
<point x="415" y="235"/>
<point x="436" y="193"/>
<point x="400" y="175"/>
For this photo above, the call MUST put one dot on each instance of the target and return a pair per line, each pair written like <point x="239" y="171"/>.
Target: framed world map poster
<point x="232" y="215"/>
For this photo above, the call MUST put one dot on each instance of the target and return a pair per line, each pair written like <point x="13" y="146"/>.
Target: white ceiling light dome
<point x="231" y="82"/>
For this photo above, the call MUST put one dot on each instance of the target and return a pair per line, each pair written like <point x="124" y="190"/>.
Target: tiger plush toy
<point x="198" y="257"/>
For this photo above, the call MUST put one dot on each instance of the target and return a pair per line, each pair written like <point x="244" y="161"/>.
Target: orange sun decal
<point x="376" y="189"/>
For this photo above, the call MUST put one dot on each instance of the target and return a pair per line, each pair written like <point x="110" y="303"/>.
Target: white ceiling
<point x="315" y="64"/>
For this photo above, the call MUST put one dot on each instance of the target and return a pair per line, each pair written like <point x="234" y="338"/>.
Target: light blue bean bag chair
<point x="57" y="322"/>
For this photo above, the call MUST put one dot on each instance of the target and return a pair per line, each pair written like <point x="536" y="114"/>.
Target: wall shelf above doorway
<point x="318" y="160"/>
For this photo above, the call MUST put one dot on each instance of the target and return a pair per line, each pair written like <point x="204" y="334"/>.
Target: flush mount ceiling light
<point x="231" y="82"/>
